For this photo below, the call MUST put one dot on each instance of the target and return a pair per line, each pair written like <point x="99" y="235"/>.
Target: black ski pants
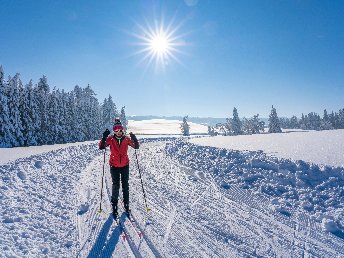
<point x="117" y="175"/>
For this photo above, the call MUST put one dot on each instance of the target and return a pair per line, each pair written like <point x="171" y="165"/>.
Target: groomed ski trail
<point x="194" y="216"/>
<point x="51" y="200"/>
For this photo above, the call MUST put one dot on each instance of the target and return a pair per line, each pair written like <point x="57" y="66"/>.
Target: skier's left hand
<point x="134" y="139"/>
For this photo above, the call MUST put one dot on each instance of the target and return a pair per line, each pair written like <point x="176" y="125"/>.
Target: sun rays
<point x="159" y="44"/>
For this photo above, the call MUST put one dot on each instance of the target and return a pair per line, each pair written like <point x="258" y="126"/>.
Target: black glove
<point x="134" y="139"/>
<point x="132" y="136"/>
<point x="105" y="135"/>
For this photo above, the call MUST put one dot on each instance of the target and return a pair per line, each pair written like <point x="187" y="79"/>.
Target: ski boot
<point x="114" y="212"/>
<point x="127" y="211"/>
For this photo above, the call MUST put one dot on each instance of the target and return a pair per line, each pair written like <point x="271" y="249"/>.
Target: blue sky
<point x="244" y="54"/>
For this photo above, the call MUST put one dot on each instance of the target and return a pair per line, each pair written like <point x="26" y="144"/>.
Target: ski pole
<point x="143" y="190"/>
<point x="101" y="191"/>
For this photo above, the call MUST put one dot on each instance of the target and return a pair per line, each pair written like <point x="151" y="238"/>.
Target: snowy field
<point x="163" y="126"/>
<point x="319" y="147"/>
<point x="250" y="196"/>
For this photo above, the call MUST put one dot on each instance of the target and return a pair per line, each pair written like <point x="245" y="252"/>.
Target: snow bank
<point x="38" y="199"/>
<point x="11" y="154"/>
<point x="291" y="184"/>
<point x="319" y="147"/>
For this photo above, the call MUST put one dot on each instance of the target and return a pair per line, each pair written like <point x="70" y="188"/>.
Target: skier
<point x="119" y="162"/>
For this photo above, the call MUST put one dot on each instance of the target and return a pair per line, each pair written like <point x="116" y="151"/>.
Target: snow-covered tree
<point x="274" y="124"/>
<point x="109" y="113"/>
<point x="5" y="131"/>
<point x="341" y="119"/>
<point x="314" y="121"/>
<point x="91" y="113"/>
<point x="42" y="92"/>
<point x="123" y="119"/>
<point x="70" y="116"/>
<point x="294" y="122"/>
<point x="28" y="110"/>
<point x="252" y="125"/>
<point x="211" y="131"/>
<point x="235" y="123"/>
<point x="54" y="118"/>
<point x="325" y="123"/>
<point x="13" y="101"/>
<point x="184" y="127"/>
<point x="34" y="116"/>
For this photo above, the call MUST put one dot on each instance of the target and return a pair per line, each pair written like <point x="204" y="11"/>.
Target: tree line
<point x="313" y="121"/>
<point x="236" y="126"/>
<point x="34" y="115"/>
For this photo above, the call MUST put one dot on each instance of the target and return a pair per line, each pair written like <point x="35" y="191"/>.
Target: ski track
<point x="52" y="210"/>
<point x="196" y="197"/>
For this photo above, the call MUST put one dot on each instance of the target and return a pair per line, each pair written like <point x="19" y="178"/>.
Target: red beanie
<point x="117" y="125"/>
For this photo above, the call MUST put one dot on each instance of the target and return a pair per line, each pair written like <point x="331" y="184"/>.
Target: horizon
<point x="196" y="58"/>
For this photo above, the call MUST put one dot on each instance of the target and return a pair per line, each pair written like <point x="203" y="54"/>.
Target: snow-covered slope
<point x="205" y="202"/>
<point x="163" y="126"/>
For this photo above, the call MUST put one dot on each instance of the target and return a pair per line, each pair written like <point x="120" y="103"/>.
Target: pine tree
<point x="235" y="123"/>
<point x="257" y="125"/>
<point x="79" y="114"/>
<point x="28" y="109"/>
<point x="294" y="123"/>
<point x="91" y="113"/>
<point x="42" y="97"/>
<point x="71" y="116"/>
<point x="109" y="113"/>
<point x="13" y="95"/>
<point x="211" y="131"/>
<point x="5" y="132"/>
<point x="246" y="126"/>
<point x="54" y="118"/>
<point x="64" y="126"/>
<point x="185" y="128"/>
<point x="123" y="119"/>
<point x="341" y="119"/>
<point x="274" y="124"/>
<point x="252" y="125"/>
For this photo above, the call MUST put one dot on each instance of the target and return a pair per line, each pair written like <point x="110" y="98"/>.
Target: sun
<point x="159" y="44"/>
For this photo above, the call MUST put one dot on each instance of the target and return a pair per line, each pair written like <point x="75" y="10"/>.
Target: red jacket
<point x="119" y="152"/>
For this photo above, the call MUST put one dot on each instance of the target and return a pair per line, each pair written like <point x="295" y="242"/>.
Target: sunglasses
<point x="118" y="131"/>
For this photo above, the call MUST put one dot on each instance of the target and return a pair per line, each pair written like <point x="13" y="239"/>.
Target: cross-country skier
<point x="119" y="162"/>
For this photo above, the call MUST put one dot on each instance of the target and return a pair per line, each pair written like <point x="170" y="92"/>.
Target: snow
<point x="163" y="126"/>
<point x="250" y="196"/>
<point x="319" y="147"/>
<point x="11" y="154"/>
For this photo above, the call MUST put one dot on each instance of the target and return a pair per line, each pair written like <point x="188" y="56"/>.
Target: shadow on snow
<point x="103" y="247"/>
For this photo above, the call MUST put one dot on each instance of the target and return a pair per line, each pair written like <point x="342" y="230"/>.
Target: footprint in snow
<point x="39" y="164"/>
<point x="83" y="208"/>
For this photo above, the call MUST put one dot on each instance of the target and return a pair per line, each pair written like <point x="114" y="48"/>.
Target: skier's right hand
<point x="106" y="134"/>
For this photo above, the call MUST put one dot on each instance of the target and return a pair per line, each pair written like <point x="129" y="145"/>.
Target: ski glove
<point x="134" y="139"/>
<point x="105" y="135"/>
